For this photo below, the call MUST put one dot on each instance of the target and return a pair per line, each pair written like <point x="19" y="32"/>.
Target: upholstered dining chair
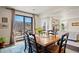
<point x="60" y="47"/>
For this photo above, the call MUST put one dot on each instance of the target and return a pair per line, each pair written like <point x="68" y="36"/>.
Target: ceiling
<point x="46" y="9"/>
<point x="31" y="9"/>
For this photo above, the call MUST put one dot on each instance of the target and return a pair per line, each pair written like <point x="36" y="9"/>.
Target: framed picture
<point x="75" y="24"/>
<point x="4" y="19"/>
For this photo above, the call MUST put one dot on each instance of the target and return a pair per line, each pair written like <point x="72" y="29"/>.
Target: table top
<point x="45" y="41"/>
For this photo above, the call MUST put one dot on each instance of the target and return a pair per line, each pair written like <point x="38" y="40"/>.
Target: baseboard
<point x="72" y="40"/>
<point x="74" y="48"/>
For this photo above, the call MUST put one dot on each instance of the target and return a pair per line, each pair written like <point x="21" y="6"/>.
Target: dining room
<point x="40" y="29"/>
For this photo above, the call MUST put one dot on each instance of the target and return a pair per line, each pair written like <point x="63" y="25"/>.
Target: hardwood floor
<point x="19" y="48"/>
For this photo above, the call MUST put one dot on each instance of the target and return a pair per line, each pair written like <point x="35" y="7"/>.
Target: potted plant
<point x="2" y="41"/>
<point x="39" y="30"/>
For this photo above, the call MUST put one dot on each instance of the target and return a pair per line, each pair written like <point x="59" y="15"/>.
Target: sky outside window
<point x="28" y="20"/>
<point x="20" y="19"/>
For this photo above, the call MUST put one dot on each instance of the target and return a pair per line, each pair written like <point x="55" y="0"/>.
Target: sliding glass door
<point x="28" y="23"/>
<point x="20" y="25"/>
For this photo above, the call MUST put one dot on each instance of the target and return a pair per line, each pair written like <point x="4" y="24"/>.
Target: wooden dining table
<point x="46" y="41"/>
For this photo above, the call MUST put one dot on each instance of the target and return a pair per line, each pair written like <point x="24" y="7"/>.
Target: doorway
<point x="20" y="25"/>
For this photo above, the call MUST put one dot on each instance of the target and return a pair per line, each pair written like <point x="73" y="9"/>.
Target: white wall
<point x="6" y="32"/>
<point x="68" y="17"/>
<point x="65" y="15"/>
<point x="37" y="21"/>
<point x="73" y="28"/>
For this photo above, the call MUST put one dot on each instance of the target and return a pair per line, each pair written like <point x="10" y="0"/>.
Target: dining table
<point x="47" y="40"/>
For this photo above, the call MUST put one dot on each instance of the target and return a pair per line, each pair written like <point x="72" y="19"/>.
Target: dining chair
<point x="60" y="47"/>
<point x="32" y="43"/>
<point x="27" y="41"/>
<point x="34" y="47"/>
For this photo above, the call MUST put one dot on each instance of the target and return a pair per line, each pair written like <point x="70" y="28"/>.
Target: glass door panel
<point x="28" y="24"/>
<point x="18" y="28"/>
<point x="20" y="25"/>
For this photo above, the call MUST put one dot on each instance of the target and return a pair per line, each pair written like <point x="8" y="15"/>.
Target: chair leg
<point x="25" y="46"/>
<point x="64" y="50"/>
<point x="25" y="49"/>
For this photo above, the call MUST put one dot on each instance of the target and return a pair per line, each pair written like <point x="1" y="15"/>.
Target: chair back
<point x="51" y="32"/>
<point x="63" y="42"/>
<point x="32" y="43"/>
